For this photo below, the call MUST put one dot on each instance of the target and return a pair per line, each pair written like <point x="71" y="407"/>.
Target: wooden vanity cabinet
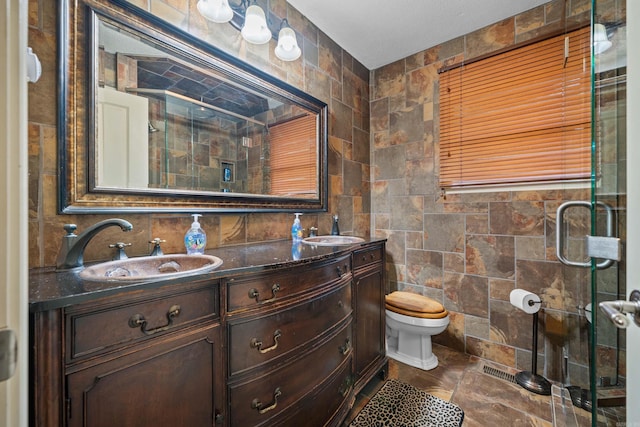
<point x="279" y="346"/>
<point x="136" y="359"/>
<point x="369" y="313"/>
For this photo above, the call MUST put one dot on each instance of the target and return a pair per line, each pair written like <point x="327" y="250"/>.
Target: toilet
<point x="412" y="320"/>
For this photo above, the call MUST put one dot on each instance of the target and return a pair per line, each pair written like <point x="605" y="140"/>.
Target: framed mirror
<point x="152" y="119"/>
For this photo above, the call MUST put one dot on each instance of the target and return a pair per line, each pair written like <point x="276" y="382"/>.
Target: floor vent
<point x="499" y="374"/>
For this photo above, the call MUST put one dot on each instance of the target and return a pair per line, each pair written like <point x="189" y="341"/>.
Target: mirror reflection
<point x="154" y="119"/>
<point x="193" y="129"/>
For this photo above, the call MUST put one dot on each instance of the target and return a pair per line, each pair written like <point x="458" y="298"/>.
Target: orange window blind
<point x="294" y="160"/>
<point x="522" y="116"/>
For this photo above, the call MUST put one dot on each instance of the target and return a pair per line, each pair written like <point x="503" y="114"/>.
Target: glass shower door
<point x="609" y="96"/>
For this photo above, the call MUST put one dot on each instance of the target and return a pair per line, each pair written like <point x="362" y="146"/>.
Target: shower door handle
<point x="608" y="246"/>
<point x="617" y="311"/>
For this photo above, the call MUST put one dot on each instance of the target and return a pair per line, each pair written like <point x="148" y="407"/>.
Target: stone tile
<point x="491" y="256"/>
<point x="477" y="224"/>
<point x="477" y="327"/>
<point x="531" y="19"/>
<point x="466" y="294"/>
<point x="420" y="177"/>
<point x="390" y="162"/>
<point x="510" y="325"/>
<point x="530" y="247"/>
<point x="557" y="286"/>
<point x="444" y="232"/>
<point x="389" y="80"/>
<point x="424" y="268"/>
<point x="407" y="213"/>
<point x="406" y="125"/>
<point x="500" y="289"/>
<point x="490" y="401"/>
<point x="454" y="262"/>
<point x="490" y="38"/>
<point x="420" y="85"/>
<point x="485" y="349"/>
<point x="517" y="218"/>
<point x="340" y="121"/>
<point x="453" y="336"/>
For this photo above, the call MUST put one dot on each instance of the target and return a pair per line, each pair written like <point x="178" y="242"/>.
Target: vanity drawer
<point x="93" y="330"/>
<point x="367" y="256"/>
<point x="317" y="408"/>
<point x="257" y="402"/>
<point x="260" y="339"/>
<point x="259" y="291"/>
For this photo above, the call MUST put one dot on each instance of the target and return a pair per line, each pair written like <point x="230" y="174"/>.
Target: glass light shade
<point x="255" y="29"/>
<point x="600" y="40"/>
<point x="287" y="49"/>
<point x="215" y="10"/>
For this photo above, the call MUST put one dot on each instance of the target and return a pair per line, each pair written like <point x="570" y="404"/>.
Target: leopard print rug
<point x="398" y="404"/>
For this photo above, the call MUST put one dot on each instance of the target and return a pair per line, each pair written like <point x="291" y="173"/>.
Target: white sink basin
<point x="332" y="240"/>
<point x="150" y="267"/>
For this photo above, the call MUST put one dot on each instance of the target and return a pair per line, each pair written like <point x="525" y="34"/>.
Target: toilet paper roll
<point x="525" y="300"/>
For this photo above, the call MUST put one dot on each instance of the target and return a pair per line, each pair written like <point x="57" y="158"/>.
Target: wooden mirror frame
<point x="77" y="49"/>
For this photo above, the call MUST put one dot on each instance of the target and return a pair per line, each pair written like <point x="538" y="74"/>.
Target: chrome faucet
<point x="72" y="250"/>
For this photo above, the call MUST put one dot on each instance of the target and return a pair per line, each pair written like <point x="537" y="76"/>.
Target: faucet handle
<point x="157" y="250"/>
<point x="70" y="229"/>
<point x="120" y="254"/>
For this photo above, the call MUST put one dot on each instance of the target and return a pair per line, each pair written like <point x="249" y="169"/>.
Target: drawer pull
<point x="253" y="293"/>
<point x="258" y="344"/>
<point x="345" y="387"/>
<point x="256" y="404"/>
<point x="346" y="348"/>
<point x="138" y="321"/>
<point x="340" y="272"/>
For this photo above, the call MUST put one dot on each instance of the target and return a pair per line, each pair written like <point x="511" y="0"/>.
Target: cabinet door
<point x="169" y="383"/>
<point x="370" y="320"/>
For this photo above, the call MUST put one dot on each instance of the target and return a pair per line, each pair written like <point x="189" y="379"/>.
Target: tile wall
<point x="470" y="250"/>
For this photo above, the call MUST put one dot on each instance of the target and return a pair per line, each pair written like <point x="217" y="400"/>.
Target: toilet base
<point x="410" y="348"/>
<point x="426" y="364"/>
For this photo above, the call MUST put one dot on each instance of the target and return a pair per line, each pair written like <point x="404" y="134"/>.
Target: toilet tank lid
<point x="413" y="302"/>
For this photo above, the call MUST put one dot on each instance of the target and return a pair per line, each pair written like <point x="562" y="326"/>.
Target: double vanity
<point x="278" y="334"/>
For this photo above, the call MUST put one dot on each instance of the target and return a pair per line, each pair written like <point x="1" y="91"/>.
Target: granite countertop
<point x="50" y="289"/>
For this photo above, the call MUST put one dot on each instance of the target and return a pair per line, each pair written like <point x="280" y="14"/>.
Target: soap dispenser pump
<point x="296" y="229"/>
<point x="195" y="240"/>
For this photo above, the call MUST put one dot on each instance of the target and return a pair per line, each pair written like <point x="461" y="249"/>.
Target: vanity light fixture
<point x="601" y="41"/>
<point x="254" y="27"/>
<point x="217" y="11"/>
<point x="287" y="49"/>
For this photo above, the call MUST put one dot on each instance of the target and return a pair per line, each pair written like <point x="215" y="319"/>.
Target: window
<point x="293" y="157"/>
<point x="523" y="116"/>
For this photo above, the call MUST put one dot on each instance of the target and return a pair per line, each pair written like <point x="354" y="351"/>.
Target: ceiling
<point x="378" y="32"/>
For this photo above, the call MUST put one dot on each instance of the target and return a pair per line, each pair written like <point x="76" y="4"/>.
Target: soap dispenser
<point x="296" y="229"/>
<point x="195" y="240"/>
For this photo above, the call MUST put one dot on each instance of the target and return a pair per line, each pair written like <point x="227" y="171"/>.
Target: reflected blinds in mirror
<point x="293" y="157"/>
<point x="517" y="117"/>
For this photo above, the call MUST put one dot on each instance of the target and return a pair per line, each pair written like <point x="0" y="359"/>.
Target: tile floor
<point x="487" y="400"/>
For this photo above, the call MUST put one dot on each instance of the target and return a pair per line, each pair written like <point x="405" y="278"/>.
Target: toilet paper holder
<point x="530" y="380"/>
